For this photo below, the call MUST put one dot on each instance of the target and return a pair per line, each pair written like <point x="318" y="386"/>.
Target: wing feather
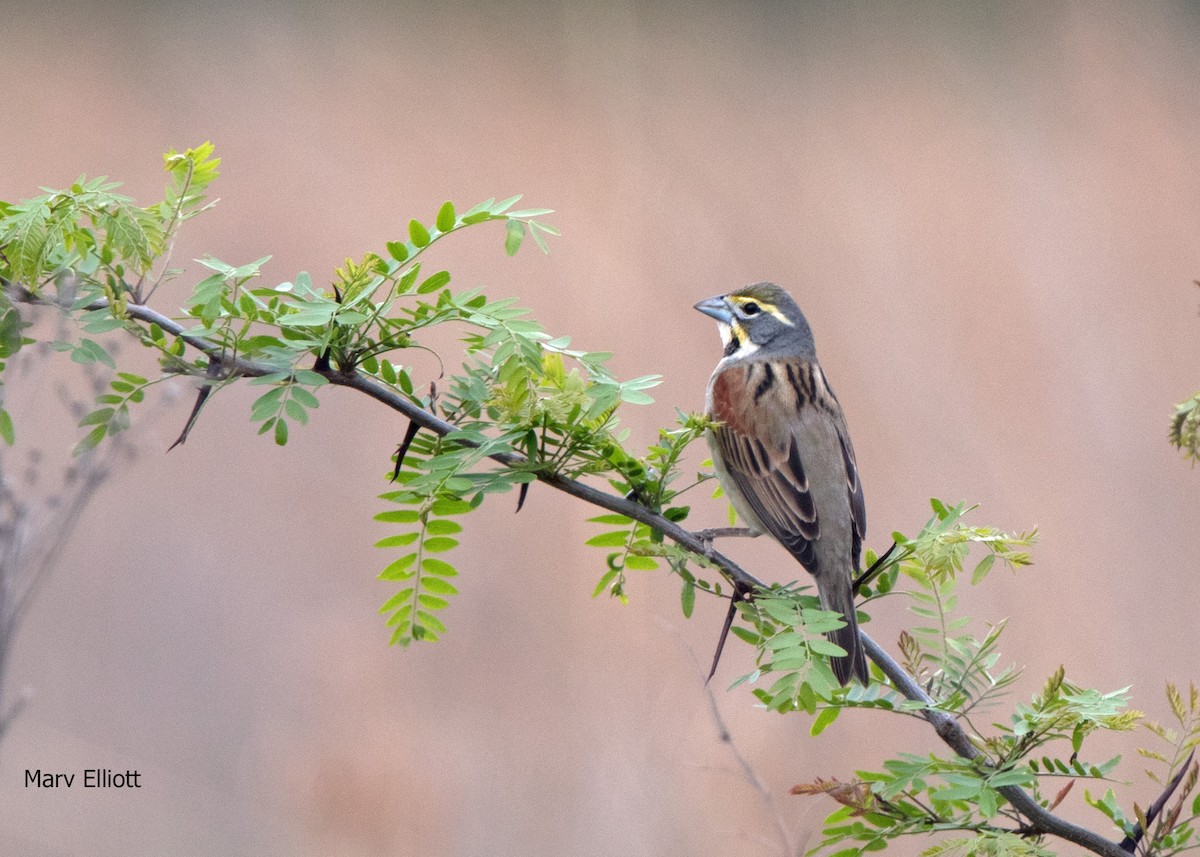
<point x="757" y="437"/>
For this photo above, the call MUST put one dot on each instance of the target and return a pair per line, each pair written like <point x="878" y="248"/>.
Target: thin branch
<point x="1040" y="820"/>
<point x="725" y="736"/>
<point x="748" y="773"/>
<point x="387" y="396"/>
<point x="1130" y="842"/>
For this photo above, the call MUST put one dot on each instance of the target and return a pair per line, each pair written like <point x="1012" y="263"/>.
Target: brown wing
<point x="760" y="456"/>
<point x="761" y="406"/>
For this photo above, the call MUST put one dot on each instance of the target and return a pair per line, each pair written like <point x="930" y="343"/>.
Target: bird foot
<point x="709" y="535"/>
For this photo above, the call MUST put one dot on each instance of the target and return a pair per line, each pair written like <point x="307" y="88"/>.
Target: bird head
<point x="760" y="318"/>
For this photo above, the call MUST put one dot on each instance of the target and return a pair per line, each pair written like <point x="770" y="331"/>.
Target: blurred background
<point x="988" y="212"/>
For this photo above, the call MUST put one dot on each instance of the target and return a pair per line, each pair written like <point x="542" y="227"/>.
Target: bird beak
<point x="717" y="308"/>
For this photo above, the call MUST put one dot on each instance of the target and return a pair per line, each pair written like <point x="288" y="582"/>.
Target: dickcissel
<point x="781" y="450"/>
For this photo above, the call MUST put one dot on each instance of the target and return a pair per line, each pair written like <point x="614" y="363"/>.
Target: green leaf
<point x="438" y="544"/>
<point x="1019" y="776"/>
<point x="446" y="217"/>
<point x="605" y="581"/>
<point x="397" y="601"/>
<point x="399" y="569"/>
<point x="445" y="507"/>
<point x="746" y="635"/>
<point x="641" y="563"/>
<point x="505" y="205"/>
<point x="966" y="791"/>
<point x="439" y="586"/>
<point x="304" y="398"/>
<point x="438" y="567"/>
<point x="514" y="237"/>
<point x="432" y="602"/>
<point x="530" y="212"/>
<point x="431" y="622"/>
<point x="90" y="351"/>
<point x="619" y="520"/>
<point x="827" y="716"/>
<point x="90" y="440"/>
<point x="399" y="516"/>
<point x="988" y="803"/>
<point x="397" y="541"/>
<point x="687" y="598"/>
<point x="434" y="282"/>
<point x="617" y="538"/>
<point x="984" y="566"/>
<point x="418" y="234"/>
<point x="97" y="417"/>
<point x="824" y="647"/>
<point x="310" y="379"/>
<point x="296" y="411"/>
<point x="6" y="427"/>
<point x="281" y="433"/>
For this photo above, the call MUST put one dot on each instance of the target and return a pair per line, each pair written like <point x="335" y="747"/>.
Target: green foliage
<point x="411" y="611"/>
<point x="1174" y="829"/>
<point x="957" y="668"/>
<point x="1042" y="742"/>
<point x="653" y="480"/>
<point x="1185" y="428"/>
<point x="11" y="340"/>
<point x="1063" y="712"/>
<point x="524" y="407"/>
<point x="113" y="415"/>
<point x="788" y="631"/>
<point x="95" y="253"/>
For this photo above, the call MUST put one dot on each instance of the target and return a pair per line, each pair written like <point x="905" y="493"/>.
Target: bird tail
<point x="854" y="664"/>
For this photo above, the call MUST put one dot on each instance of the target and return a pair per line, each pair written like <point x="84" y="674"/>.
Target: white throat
<point x="745" y="346"/>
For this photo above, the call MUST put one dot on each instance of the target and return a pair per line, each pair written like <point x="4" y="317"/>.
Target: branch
<point x="1041" y="821"/>
<point x="947" y="728"/>
<point x="736" y="575"/>
<point x="1130" y="842"/>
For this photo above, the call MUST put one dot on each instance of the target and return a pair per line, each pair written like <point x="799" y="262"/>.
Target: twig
<point x="726" y="737"/>
<point x="1040" y="820"/>
<point x="748" y="773"/>
<point x="426" y="420"/>
<point x="1129" y="844"/>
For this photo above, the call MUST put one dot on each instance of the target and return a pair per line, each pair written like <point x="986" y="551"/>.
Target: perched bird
<point x="781" y="449"/>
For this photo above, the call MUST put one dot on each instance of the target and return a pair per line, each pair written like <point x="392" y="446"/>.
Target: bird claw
<point x="707" y="536"/>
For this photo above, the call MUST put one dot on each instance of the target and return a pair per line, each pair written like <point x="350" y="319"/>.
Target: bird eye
<point x="751" y="308"/>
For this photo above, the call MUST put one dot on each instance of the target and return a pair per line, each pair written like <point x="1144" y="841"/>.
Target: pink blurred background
<point x="989" y="214"/>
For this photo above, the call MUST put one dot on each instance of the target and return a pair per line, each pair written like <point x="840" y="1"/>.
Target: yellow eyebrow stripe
<point x="763" y="305"/>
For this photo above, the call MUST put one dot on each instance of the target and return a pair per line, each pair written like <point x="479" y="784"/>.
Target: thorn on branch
<point x="402" y="449"/>
<point x="211" y="375"/>
<point x="737" y="596"/>
<point x="876" y="567"/>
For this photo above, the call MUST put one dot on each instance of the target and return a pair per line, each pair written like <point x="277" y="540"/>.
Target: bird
<point x="781" y="450"/>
